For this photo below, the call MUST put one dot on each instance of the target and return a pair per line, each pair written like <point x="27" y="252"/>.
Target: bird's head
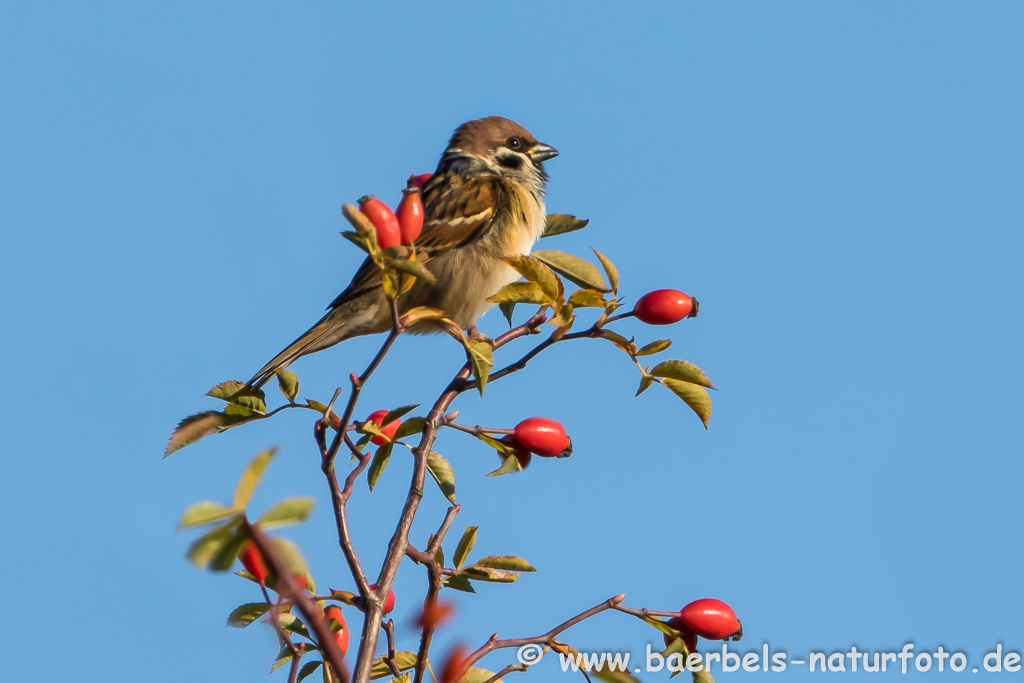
<point x="497" y="145"/>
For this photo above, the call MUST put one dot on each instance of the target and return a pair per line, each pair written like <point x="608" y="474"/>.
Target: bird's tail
<point x="331" y="329"/>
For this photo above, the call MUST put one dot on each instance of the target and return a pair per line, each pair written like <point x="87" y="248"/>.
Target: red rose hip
<point x="340" y="637"/>
<point x="664" y="307"/>
<point x="542" y="436"/>
<point x="385" y="222"/>
<point x="410" y="214"/>
<point x="388" y="430"/>
<point x="711" y="619"/>
<point x="253" y="562"/>
<point x="418" y="180"/>
<point x="389" y="602"/>
<point x="689" y="637"/>
<point x="521" y="454"/>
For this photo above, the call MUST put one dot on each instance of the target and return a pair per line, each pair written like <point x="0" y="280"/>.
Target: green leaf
<point x="535" y="271"/>
<point x="287" y="511"/>
<point x="561" y="223"/>
<point x="414" y="425"/>
<point x="603" y="673"/>
<point x="511" y="464"/>
<point x="694" y="396"/>
<point x="506" y="310"/>
<point x="510" y="562"/>
<point x="487" y="574"/>
<point x="626" y="345"/>
<point x="481" y="353"/>
<point x="683" y="371"/>
<point x="390" y="284"/>
<point x="291" y="623"/>
<point x="225" y="557"/>
<point x="654" y="347"/>
<point x="465" y="546"/>
<point x="355" y="238"/>
<point x="413" y="268"/>
<point x="193" y="428"/>
<point x="404" y="660"/>
<point x="459" y="583"/>
<point x="519" y="293"/>
<point x="202" y="513"/>
<point x="206" y="547"/>
<point x="609" y="269"/>
<point x="290" y="555"/>
<point x="307" y="669"/>
<point x="443" y="474"/>
<point x="398" y="413"/>
<point x="283" y="657"/>
<point x="645" y="383"/>
<point x="317" y="406"/>
<point x="573" y="268"/>
<point x="377" y="465"/>
<point x="288" y="383"/>
<point x="586" y="298"/>
<point x="243" y="615"/>
<point x="226" y="390"/>
<point x="250" y="477"/>
<point x="478" y="675"/>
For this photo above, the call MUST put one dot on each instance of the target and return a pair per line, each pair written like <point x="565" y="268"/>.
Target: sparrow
<point x="484" y="201"/>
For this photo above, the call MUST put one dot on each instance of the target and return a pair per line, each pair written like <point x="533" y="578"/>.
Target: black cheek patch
<point x="513" y="161"/>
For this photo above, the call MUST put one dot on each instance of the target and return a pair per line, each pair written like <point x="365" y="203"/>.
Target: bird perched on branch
<point x="484" y="201"/>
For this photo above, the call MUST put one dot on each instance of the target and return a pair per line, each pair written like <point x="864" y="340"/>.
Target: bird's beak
<point x="542" y="152"/>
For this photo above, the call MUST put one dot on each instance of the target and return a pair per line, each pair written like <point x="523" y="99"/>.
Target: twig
<point x="389" y="629"/>
<point x="478" y="430"/>
<point x="507" y="670"/>
<point x="296" y="658"/>
<point x="287" y="588"/>
<point x="435" y="575"/>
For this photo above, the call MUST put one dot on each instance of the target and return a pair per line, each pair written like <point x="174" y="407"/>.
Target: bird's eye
<point x="513" y="143"/>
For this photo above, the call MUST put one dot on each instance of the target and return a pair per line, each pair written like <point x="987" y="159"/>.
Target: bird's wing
<point x="455" y="213"/>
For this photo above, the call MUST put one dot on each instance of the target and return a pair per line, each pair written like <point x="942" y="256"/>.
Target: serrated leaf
<point x="224" y="559"/>
<point x="421" y="313"/>
<point x="654" y="347"/>
<point x="202" y="513"/>
<point x="193" y="428"/>
<point x="535" y="271"/>
<point x="574" y="269"/>
<point x="291" y="623"/>
<point x="506" y="310"/>
<point x="481" y="353"/>
<point x="509" y="562"/>
<point x="464" y="547"/>
<point x="404" y="660"/>
<point x="414" y="425"/>
<point x="307" y="669"/>
<point x="683" y="371"/>
<point x="243" y="615"/>
<point x="288" y="383"/>
<point x="377" y="465"/>
<point x="519" y="293"/>
<point x="290" y="555"/>
<point x="398" y="413"/>
<point x="459" y="583"/>
<point x="645" y="383"/>
<point x="478" y="675"/>
<point x="487" y="574"/>
<point x="694" y="396"/>
<point x="586" y="298"/>
<point x="626" y="345"/>
<point x="413" y="268"/>
<point x="443" y="474"/>
<point x="283" y="657"/>
<point x="609" y="268"/>
<point x="561" y="223"/>
<point x="287" y="511"/>
<point x="250" y="477"/>
<point x="511" y="464"/>
<point x="225" y="390"/>
<point x="206" y="547"/>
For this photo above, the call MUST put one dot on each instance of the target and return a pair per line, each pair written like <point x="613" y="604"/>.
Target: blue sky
<point x="838" y="183"/>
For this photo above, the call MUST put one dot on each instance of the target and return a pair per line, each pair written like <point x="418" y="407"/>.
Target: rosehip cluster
<point x="403" y="225"/>
<point x="708" y="618"/>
